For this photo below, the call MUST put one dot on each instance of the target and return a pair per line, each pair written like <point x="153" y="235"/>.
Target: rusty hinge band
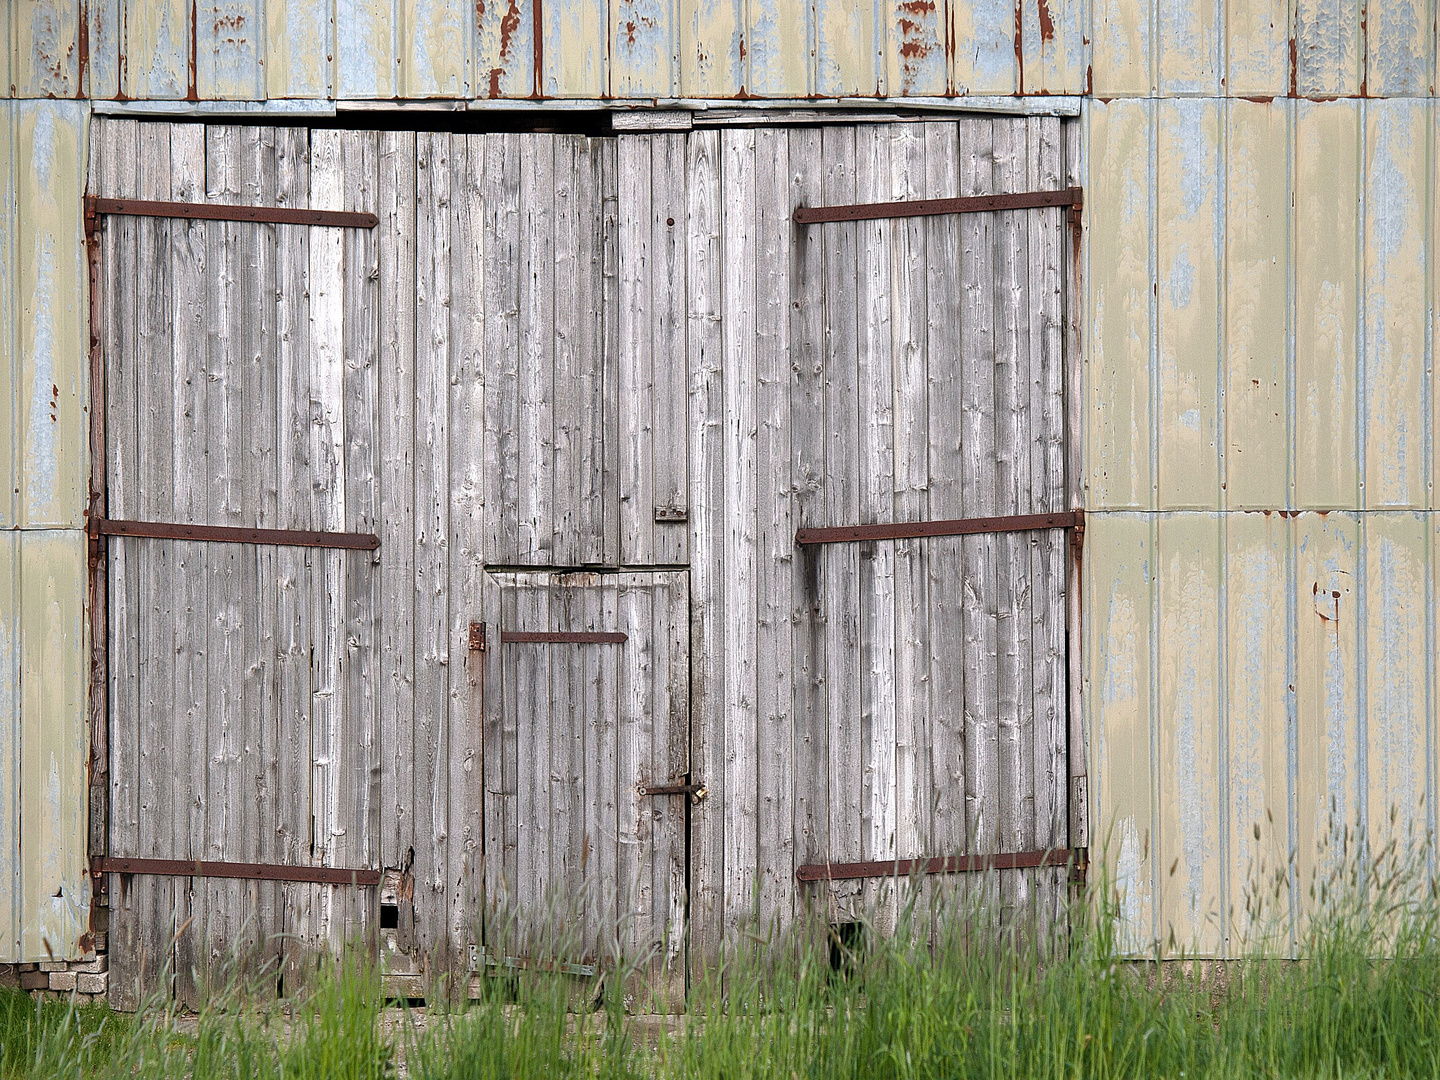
<point x="320" y="875"/>
<point x="957" y="527"/>
<point x="275" y="215"/>
<point x="954" y="864"/>
<point x="224" y="534"/>
<point x="970" y="204"/>
<point x="477" y="637"/>
<point x="563" y="637"/>
<point x="693" y="791"/>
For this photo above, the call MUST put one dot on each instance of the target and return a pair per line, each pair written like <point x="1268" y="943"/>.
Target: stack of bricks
<point x="85" y="979"/>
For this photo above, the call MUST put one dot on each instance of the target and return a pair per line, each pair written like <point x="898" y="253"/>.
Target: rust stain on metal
<point x="537" y="33"/>
<point x="1019" y="48"/>
<point x="191" y="89"/>
<point x="1293" y="66"/>
<point x="1047" y="23"/>
<point x="509" y="23"/>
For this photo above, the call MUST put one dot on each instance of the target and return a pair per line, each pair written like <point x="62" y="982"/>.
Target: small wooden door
<point x="586" y="703"/>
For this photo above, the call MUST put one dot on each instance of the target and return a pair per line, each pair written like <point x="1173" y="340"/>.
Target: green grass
<point x="922" y="1002"/>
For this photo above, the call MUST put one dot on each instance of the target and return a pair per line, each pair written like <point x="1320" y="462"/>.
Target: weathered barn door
<point x="587" y="767"/>
<point x="240" y="393"/>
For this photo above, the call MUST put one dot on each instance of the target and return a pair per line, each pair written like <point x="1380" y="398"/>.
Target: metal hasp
<point x="695" y="792"/>
<point x="274" y="215"/>
<point x="969" y="204"/>
<point x="224" y="534"/>
<point x="842" y="534"/>
<point x="954" y="864"/>
<point x="563" y="637"/>
<point x="319" y="875"/>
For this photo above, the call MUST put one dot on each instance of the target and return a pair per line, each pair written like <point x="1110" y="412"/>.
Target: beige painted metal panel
<point x="1257" y="309"/>
<point x="1393" y="410"/>
<point x="1257" y="47"/>
<point x="1121" y="32"/>
<point x="48" y="882"/>
<point x="1188" y="201"/>
<point x="1326" y="282"/>
<point x="1120" y="695"/>
<point x="51" y="278"/>
<point x="1189" y="47"/>
<point x="1120" y="314"/>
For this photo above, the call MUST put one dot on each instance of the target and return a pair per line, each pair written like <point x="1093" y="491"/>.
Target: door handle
<point x="695" y="792"/>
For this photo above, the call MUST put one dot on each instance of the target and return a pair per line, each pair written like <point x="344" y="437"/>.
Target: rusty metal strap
<point x="169" y="530"/>
<point x="902" y="530"/>
<point x="320" y="875"/>
<point x="564" y="637"/>
<point x="955" y="864"/>
<point x="278" y="215"/>
<point x="970" y="204"/>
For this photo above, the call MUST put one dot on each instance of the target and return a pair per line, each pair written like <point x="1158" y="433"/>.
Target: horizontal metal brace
<point x="955" y="864"/>
<point x="275" y="215"/>
<point x="224" y="534"/>
<point x="1072" y="519"/>
<point x="693" y="791"/>
<point x="320" y="875"/>
<point x="970" y="204"/>
<point x="524" y="963"/>
<point x="564" y="637"/>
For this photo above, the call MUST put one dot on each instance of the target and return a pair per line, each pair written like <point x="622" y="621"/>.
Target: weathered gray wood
<point x="536" y="513"/>
<point x="776" y="765"/>
<point x="432" y="598"/>
<point x="876" y="339"/>
<point x="1077" y="744"/>
<point x="609" y="417"/>
<point x="671" y="759"/>
<point x="840" y="579"/>
<point x="806" y="418"/>
<point x="295" y="829"/>
<point x="592" y="497"/>
<point x="396" y="572"/>
<point x="571" y="221"/>
<point x="707" y="523"/>
<point x="501" y="292"/>
<point x="669" y="431"/>
<point x="636" y="397"/>
<point x="467" y="535"/>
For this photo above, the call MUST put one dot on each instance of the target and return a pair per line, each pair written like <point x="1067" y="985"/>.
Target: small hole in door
<point x="389" y="916"/>
<point x="847" y="941"/>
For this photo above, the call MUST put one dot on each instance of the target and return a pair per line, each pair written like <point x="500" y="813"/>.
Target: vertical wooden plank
<point x="703" y="224"/>
<point x="1191" y="818"/>
<point x="878" y="244"/>
<point x="978" y="495"/>
<point x="611" y="913"/>
<point x="608" y="417"/>
<point x="396" y="300"/>
<point x="590" y="492"/>
<point x="672" y="759"/>
<point x="1329" y="786"/>
<point x="1015" y="493"/>
<point x="739" y="557"/>
<point x="1189" y="194"/>
<point x="467" y="533"/>
<point x="537" y="608"/>
<point x="1392" y="384"/>
<point x="840" y="575"/>
<point x="499" y="799"/>
<point x="636" y="398"/>
<point x="190" y="266"/>
<point x="568" y="450"/>
<point x="669" y="434"/>
<point x="536" y="351"/>
<point x="944" y="470"/>
<point x="911" y="301"/>
<point x="432" y="529"/>
<point x="776" y="766"/>
<point x="258" y="496"/>
<point x="358" y="807"/>
<point x="1327" y="290"/>
<point x="565" y="873"/>
<point x="806" y="420"/>
<point x="294" y="826"/>
<point x="502" y="356"/>
<point x="1257" y="723"/>
<point x="635" y="740"/>
<point x="1120" y="315"/>
<point x="1256" y="327"/>
<point x="220" y="916"/>
<point x="1120" y="664"/>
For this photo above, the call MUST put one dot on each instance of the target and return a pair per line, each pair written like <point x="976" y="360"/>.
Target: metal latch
<point x="477" y="637"/>
<point x="695" y="792"/>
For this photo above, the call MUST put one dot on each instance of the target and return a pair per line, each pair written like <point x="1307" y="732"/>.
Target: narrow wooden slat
<point x="500" y="289"/>
<point x="226" y="534"/>
<point x="570" y="194"/>
<point x="972" y="204"/>
<point x="669" y="377"/>
<point x="635" y="731"/>
<point x="214" y="211"/>
<point x="537" y="303"/>
<point x="635" y="396"/>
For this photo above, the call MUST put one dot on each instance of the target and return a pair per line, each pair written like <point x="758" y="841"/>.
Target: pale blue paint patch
<point x="362" y="55"/>
<point x="229" y="42"/>
<point x="641" y="49"/>
<point x="1397" y="49"/>
<point x="1252" y="616"/>
<point x="164" y="70"/>
<point x="1118" y="684"/>
<point x="1183" y="33"/>
<point x="42" y="427"/>
<point x="1132" y="891"/>
<point x="1396" y="715"/>
<point x="1180" y="282"/>
<point x="992" y="49"/>
<point x="1192" y="685"/>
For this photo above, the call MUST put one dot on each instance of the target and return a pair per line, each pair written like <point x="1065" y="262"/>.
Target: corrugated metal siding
<point x="44" y="464"/>
<point x="1261" y="556"/>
